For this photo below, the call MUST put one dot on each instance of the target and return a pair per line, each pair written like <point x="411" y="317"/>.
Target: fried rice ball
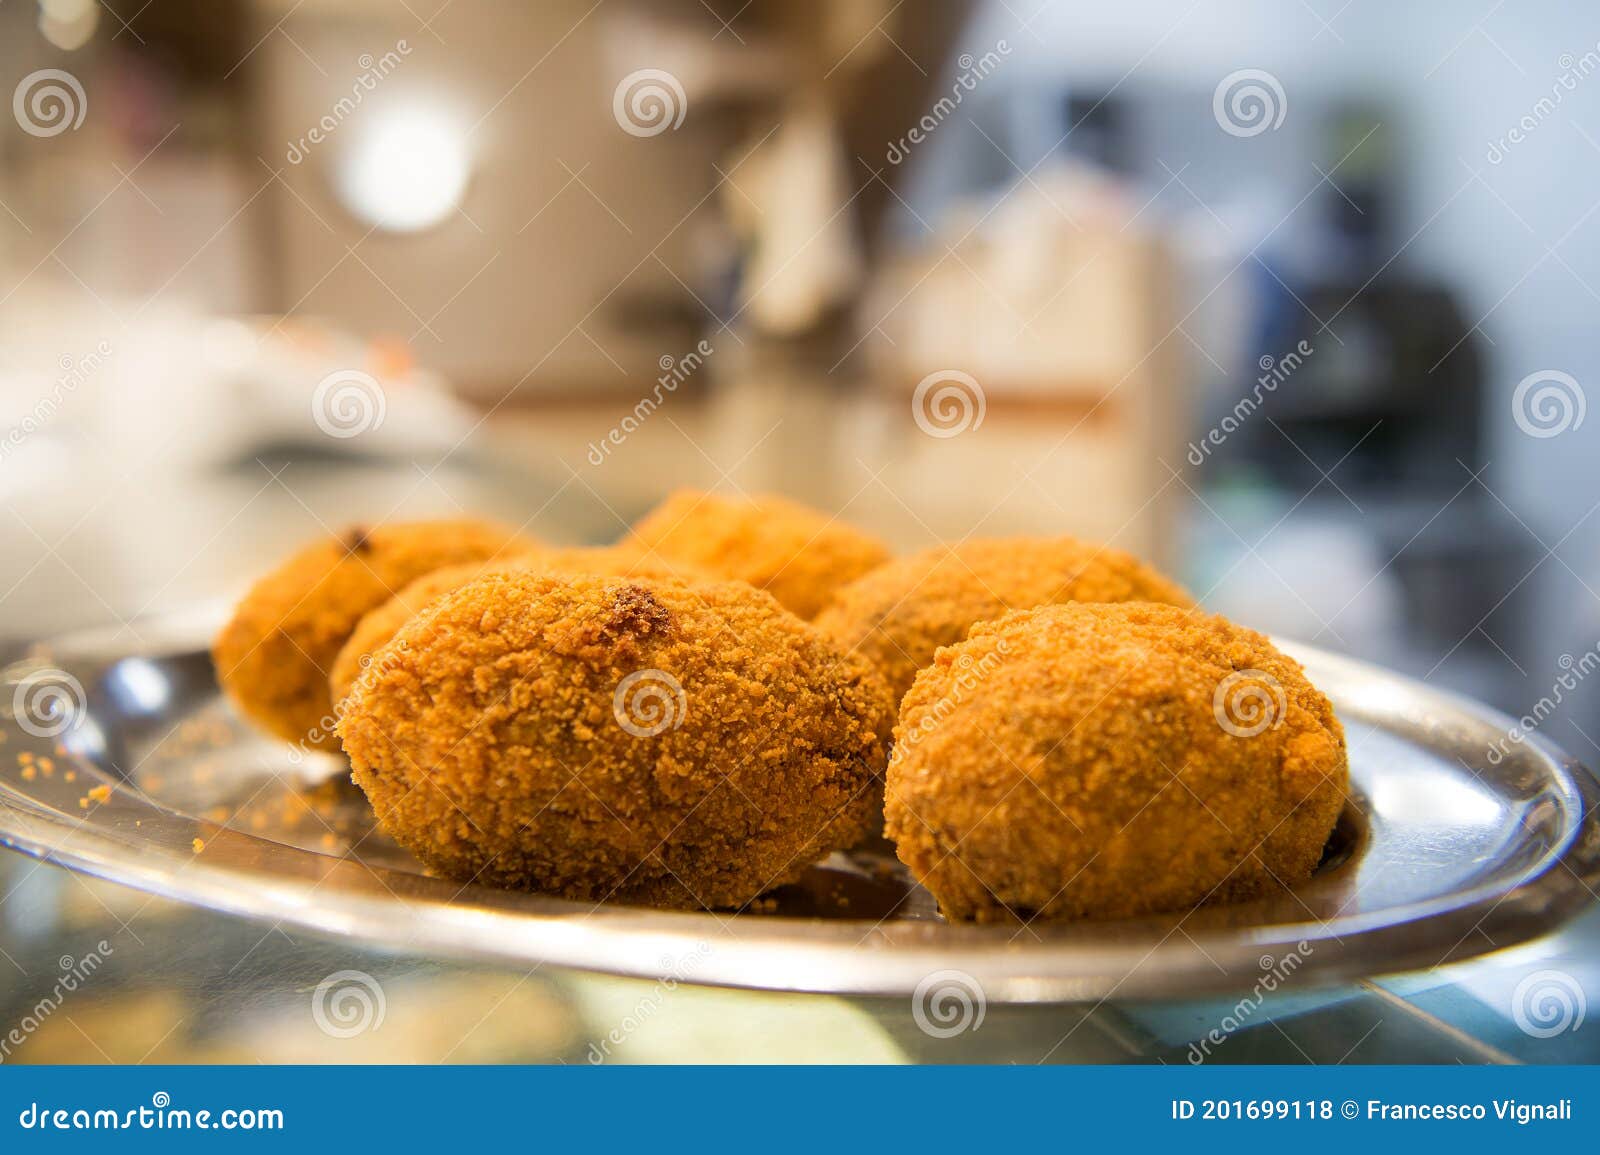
<point x="273" y="657"/>
<point x="614" y="738"/>
<point x="795" y="553"/>
<point x="1111" y="760"/>
<point x="377" y="628"/>
<point x="900" y="613"/>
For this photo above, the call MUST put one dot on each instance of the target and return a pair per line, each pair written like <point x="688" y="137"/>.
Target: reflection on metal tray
<point x="1442" y="853"/>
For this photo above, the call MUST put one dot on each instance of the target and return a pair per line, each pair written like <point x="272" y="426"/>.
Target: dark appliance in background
<point x="1098" y="131"/>
<point x="1393" y="395"/>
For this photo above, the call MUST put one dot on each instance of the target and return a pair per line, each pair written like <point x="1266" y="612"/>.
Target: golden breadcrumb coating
<point x="380" y="626"/>
<point x="613" y="738"/>
<point x="795" y="553"/>
<point x="900" y="613"/>
<point x="1110" y="760"/>
<point x="273" y="658"/>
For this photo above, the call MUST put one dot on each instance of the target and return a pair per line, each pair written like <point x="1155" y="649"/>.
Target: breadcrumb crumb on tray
<point x="101" y="793"/>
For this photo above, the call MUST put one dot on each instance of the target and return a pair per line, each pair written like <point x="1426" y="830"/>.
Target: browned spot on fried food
<point x="615" y="629"/>
<point x="379" y="627"/>
<point x="357" y="539"/>
<point x="637" y="612"/>
<point x="515" y="756"/>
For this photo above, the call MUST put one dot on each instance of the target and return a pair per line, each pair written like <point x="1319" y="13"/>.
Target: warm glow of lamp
<point x="407" y="170"/>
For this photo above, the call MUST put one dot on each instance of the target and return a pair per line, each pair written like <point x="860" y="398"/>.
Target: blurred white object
<point x="180" y="393"/>
<point x="1315" y="580"/>
<point x="708" y="69"/>
<point x="68" y="24"/>
<point x="1045" y="294"/>
<point x="406" y="169"/>
<point x="1025" y="344"/>
<point x="253" y="383"/>
<point x="126" y="471"/>
<point x="804" y="259"/>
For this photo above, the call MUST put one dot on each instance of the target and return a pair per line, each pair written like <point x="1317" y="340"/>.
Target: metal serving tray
<point x="1444" y="852"/>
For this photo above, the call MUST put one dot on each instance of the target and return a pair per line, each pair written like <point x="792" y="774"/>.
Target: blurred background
<point x="1294" y="298"/>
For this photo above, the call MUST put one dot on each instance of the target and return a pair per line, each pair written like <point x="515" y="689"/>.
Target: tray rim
<point x="811" y="955"/>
